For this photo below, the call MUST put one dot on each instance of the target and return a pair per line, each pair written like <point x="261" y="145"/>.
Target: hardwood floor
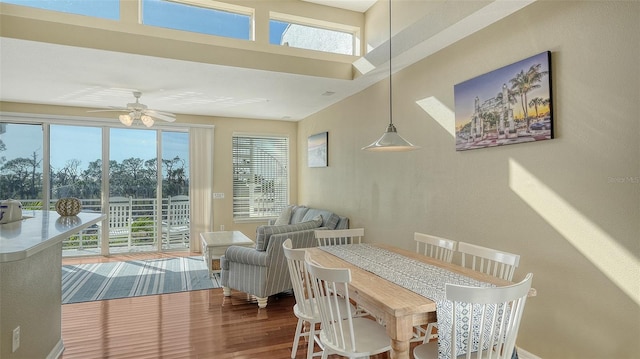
<point x="196" y="324"/>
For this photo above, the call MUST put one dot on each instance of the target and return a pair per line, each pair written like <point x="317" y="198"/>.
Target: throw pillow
<point x="284" y="217"/>
<point x="264" y="232"/>
<point x="332" y="222"/>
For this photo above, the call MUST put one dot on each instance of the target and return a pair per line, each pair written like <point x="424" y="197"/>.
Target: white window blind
<point x="260" y="176"/>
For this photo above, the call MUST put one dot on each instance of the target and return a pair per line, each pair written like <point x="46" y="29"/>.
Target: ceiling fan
<point x="139" y="111"/>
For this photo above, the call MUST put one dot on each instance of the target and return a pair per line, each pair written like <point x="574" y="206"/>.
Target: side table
<point x="214" y="244"/>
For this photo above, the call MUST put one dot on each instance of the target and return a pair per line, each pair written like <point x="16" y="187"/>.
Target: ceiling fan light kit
<point x="126" y="120"/>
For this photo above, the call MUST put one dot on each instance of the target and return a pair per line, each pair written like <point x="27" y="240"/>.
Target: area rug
<point x="100" y="281"/>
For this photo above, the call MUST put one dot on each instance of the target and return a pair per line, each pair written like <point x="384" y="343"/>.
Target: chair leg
<point x="429" y="334"/>
<point x="422" y="335"/>
<point x="312" y="340"/>
<point x="262" y="302"/>
<point x="296" y="338"/>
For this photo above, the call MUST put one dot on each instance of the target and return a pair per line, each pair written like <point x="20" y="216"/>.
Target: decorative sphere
<point x="68" y="206"/>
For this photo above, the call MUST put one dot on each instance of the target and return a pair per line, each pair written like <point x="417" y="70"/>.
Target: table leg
<point x="400" y="349"/>
<point x="400" y="330"/>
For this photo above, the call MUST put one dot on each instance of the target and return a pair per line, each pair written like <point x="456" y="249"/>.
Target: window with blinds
<point x="260" y="176"/>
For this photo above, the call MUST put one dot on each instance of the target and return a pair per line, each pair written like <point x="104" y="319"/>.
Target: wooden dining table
<point x="399" y="308"/>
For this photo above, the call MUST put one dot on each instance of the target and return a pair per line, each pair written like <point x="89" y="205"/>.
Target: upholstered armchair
<point x="262" y="271"/>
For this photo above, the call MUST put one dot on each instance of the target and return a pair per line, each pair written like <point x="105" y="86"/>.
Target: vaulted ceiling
<point x="60" y="67"/>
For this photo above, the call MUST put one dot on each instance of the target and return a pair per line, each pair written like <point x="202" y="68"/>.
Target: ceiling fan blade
<point x="152" y="112"/>
<point x="111" y="108"/>
<point x="165" y="116"/>
<point x="121" y="110"/>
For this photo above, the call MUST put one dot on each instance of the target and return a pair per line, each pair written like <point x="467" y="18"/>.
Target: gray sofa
<point x="262" y="271"/>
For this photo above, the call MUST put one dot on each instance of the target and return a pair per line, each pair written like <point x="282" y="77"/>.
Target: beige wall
<point x="223" y="130"/>
<point x="222" y="158"/>
<point x="569" y="206"/>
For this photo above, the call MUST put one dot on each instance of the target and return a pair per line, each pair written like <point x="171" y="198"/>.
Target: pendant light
<point x="390" y="141"/>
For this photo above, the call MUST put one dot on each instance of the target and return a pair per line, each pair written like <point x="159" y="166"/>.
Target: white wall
<point x="570" y="206"/>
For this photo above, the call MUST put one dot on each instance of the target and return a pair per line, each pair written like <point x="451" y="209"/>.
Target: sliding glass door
<point x="134" y="209"/>
<point x="76" y="171"/>
<point x="144" y="216"/>
<point x="21" y="163"/>
<point x="138" y="176"/>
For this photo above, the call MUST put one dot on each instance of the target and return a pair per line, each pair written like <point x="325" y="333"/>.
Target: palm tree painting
<point x="505" y="106"/>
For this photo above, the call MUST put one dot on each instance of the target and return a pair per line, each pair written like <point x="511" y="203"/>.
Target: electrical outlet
<point x="218" y="195"/>
<point x="16" y="339"/>
<point x="222" y="227"/>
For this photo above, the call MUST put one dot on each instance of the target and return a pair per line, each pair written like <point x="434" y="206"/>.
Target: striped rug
<point x="100" y="281"/>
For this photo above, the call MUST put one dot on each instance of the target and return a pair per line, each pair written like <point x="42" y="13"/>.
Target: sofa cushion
<point x="329" y="219"/>
<point x="265" y="231"/>
<point x="285" y="216"/>
<point x="297" y="213"/>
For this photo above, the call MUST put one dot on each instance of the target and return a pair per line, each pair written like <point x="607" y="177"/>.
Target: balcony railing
<point x="143" y="229"/>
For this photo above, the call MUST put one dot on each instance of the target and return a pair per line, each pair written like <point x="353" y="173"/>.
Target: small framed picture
<point x="317" y="150"/>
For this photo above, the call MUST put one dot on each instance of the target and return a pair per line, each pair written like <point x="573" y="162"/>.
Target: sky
<point x="490" y="84"/>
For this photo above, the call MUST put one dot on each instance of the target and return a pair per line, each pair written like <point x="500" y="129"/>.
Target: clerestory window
<point x="199" y="16"/>
<point x="106" y="9"/>
<point x="311" y="34"/>
<point x="218" y="18"/>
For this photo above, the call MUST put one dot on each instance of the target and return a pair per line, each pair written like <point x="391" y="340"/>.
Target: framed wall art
<point x="506" y="106"/>
<point x="317" y="150"/>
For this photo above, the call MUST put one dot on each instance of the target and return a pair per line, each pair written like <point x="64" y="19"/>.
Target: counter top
<point x="39" y="230"/>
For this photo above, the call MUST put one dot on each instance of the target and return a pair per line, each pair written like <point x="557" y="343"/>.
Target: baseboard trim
<point x="56" y="352"/>
<point x="523" y="354"/>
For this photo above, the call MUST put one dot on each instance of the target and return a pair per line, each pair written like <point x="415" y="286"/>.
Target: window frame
<point x="242" y="206"/>
<point x="210" y="5"/>
<point x="323" y="25"/>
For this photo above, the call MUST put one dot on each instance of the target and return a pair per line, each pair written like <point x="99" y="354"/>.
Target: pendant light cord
<point x="390" y="86"/>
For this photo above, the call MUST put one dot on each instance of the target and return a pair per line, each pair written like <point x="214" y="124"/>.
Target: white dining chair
<point x="340" y="332"/>
<point x="305" y="309"/>
<point x="490" y="261"/>
<point x="338" y="237"/>
<point x="438" y="248"/>
<point x="334" y="237"/>
<point x="435" y="247"/>
<point x="493" y="321"/>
